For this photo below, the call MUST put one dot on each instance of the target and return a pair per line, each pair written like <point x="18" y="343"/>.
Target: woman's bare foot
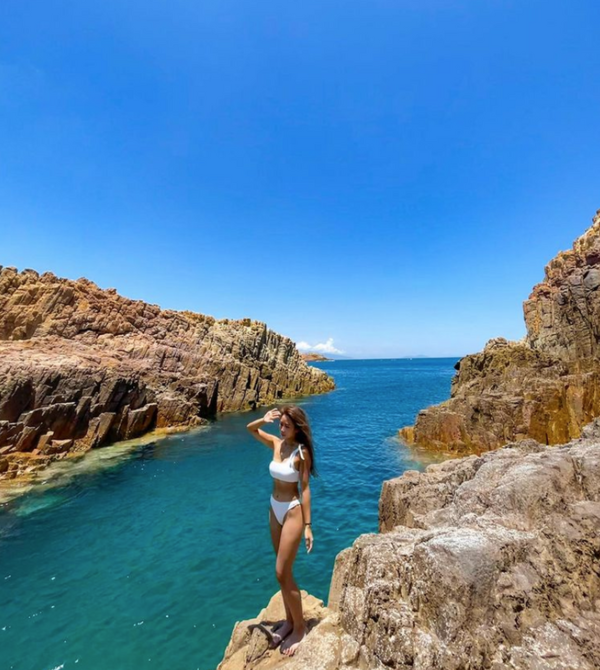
<point x="292" y="642"/>
<point x="281" y="631"/>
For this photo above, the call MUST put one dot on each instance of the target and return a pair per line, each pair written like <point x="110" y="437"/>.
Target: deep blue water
<point x="146" y="556"/>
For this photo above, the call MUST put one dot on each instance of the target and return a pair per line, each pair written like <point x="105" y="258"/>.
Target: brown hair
<point x="303" y="433"/>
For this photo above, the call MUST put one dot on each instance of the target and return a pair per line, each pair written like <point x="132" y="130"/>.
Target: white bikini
<point x="286" y="472"/>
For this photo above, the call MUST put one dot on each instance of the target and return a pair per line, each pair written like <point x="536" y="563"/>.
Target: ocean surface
<point x="145" y="555"/>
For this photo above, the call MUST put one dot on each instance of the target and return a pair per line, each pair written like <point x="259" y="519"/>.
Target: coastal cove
<point x="149" y="561"/>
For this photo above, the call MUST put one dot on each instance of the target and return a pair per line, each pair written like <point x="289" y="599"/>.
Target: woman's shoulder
<point x="303" y="453"/>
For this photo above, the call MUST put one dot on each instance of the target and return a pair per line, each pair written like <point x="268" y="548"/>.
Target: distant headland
<point x="311" y="358"/>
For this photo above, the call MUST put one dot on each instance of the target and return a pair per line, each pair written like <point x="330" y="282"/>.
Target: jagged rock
<point x="483" y="562"/>
<point x="546" y="387"/>
<point x="93" y="367"/>
<point x="251" y="641"/>
<point x="487" y="561"/>
<point x="59" y="446"/>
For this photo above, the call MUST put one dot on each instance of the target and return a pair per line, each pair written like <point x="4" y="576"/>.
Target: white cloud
<point x="326" y="348"/>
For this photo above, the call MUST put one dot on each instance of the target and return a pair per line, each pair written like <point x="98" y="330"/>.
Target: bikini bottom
<point x="280" y="509"/>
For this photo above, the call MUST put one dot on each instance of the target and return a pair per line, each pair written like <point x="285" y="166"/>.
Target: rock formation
<point x="251" y="643"/>
<point x="485" y="562"/>
<point x="81" y="367"/>
<point x="545" y="387"/>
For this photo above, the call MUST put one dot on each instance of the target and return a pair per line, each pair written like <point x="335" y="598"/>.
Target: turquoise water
<point x="148" y="556"/>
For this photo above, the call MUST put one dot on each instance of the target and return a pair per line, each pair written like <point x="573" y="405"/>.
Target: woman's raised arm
<point x="254" y="428"/>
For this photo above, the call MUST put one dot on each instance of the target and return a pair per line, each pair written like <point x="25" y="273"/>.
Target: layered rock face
<point x="485" y="562"/>
<point x="545" y="387"/>
<point x="81" y="367"/>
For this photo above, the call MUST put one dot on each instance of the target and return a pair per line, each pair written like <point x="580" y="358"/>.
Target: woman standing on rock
<point x="289" y="514"/>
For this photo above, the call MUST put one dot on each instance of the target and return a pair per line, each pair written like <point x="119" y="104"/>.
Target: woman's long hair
<point x="303" y="433"/>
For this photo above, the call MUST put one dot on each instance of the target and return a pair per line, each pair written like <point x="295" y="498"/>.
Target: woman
<point x="289" y="513"/>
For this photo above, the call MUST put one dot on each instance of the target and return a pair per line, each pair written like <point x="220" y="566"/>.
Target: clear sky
<point x="388" y="176"/>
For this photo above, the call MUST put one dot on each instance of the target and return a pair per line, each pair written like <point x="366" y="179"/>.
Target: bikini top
<point x="285" y="470"/>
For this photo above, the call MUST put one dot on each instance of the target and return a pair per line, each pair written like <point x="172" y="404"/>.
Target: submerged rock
<point x="81" y="367"/>
<point x="546" y="387"/>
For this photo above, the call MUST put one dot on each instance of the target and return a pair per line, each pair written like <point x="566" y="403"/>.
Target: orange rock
<point x="547" y="386"/>
<point x="93" y="367"/>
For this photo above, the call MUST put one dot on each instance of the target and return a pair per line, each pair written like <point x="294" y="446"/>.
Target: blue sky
<point x="388" y="176"/>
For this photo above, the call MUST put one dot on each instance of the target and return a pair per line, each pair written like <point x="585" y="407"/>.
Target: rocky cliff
<point x="485" y="562"/>
<point x="81" y="367"/>
<point x="545" y="387"/>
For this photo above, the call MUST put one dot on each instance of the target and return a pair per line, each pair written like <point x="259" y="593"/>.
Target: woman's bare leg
<point x="287" y="626"/>
<point x="291" y="534"/>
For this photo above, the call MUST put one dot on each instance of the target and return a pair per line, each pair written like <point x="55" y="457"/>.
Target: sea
<point x="145" y="554"/>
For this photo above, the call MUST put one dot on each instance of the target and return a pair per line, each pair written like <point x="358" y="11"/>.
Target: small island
<point x="312" y="357"/>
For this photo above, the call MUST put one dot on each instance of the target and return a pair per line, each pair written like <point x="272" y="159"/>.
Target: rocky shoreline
<point x="492" y="560"/>
<point x="81" y="367"/>
<point x="545" y="387"/>
<point x="483" y="562"/>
